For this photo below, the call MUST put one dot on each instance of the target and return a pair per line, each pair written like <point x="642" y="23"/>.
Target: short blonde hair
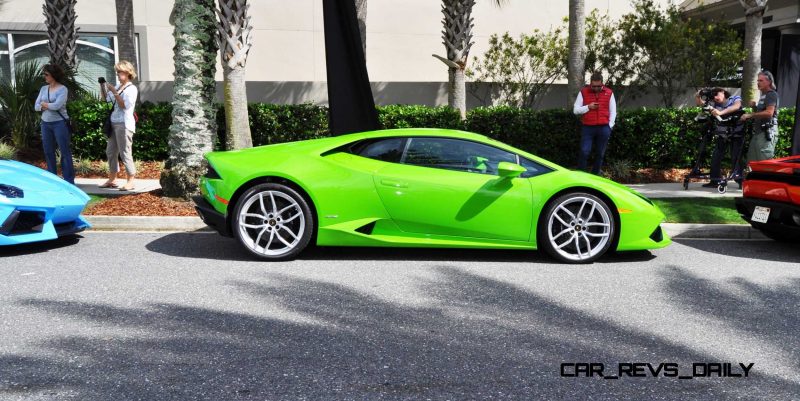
<point x="126" y="67"/>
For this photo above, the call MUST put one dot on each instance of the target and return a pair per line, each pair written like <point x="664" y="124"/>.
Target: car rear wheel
<point x="577" y="228"/>
<point x="273" y="222"/>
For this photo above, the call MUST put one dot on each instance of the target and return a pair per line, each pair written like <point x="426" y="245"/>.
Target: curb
<point x="146" y="223"/>
<point x="194" y="223"/>
<point x="715" y="231"/>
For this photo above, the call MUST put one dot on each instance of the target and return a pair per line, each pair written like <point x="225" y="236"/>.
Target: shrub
<point x="401" y="116"/>
<point x="658" y="138"/>
<point x="7" y="151"/>
<point x="82" y="166"/>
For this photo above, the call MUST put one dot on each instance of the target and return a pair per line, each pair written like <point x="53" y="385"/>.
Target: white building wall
<point x="288" y="37"/>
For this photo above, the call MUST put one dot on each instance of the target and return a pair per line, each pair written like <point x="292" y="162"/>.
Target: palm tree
<point x="62" y="35"/>
<point x="235" y="34"/>
<point x="126" y="37"/>
<point x="457" y="40"/>
<point x="577" y="46"/>
<point x="754" y="13"/>
<point x="361" y="15"/>
<point x="193" y="112"/>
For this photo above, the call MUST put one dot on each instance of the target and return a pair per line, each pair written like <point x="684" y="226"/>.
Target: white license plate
<point x="761" y="214"/>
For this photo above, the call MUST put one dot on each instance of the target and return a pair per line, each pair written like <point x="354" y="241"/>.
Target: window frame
<point x="349" y="148"/>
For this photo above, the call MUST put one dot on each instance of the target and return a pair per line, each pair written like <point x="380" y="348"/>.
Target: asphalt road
<point x="182" y="316"/>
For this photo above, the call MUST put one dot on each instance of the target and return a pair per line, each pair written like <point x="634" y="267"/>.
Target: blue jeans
<point x="54" y="134"/>
<point x="597" y="134"/>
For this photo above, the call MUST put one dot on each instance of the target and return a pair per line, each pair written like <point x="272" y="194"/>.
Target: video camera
<point x="707" y="96"/>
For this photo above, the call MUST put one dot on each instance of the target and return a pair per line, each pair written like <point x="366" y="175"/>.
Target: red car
<point x="771" y="201"/>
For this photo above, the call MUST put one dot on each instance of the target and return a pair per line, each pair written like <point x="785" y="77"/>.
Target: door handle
<point x="394" y="184"/>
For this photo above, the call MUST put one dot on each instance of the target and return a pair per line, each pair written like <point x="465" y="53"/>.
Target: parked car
<point x="419" y="188"/>
<point x="36" y="205"/>
<point x="770" y="198"/>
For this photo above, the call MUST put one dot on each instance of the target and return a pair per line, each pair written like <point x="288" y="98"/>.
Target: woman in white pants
<point x="120" y="142"/>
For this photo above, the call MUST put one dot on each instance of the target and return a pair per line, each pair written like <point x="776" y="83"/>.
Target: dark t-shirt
<point x="769" y="99"/>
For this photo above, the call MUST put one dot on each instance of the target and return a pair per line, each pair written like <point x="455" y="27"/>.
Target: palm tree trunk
<point x="361" y="15"/>
<point x="577" y="39"/>
<point x="234" y="30"/>
<point x="237" y="121"/>
<point x="194" y="126"/>
<point x="62" y="36"/>
<point x="457" y="91"/>
<point x="126" y="37"/>
<point x="457" y="37"/>
<point x="754" y="13"/>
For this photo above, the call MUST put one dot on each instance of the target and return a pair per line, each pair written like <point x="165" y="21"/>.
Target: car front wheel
<point x="576" y="228"/>
<point x="273" y="222"/>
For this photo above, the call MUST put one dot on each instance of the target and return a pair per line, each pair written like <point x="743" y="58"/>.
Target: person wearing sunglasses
<point x="765" y="124"/>
<point x="598" y="110"/>
<point x="123" y="123"/>
<point x="52" y="102"/>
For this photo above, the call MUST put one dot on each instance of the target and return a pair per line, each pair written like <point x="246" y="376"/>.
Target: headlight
<point x="10" y="191"/>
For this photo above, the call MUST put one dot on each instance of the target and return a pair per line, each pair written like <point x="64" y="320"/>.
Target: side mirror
<point x="510" y="170"/>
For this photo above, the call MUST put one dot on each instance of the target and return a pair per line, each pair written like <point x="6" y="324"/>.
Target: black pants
<point x="722" y="144"/>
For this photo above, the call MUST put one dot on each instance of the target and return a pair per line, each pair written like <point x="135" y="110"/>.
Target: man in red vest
<point x="598" y="110"/>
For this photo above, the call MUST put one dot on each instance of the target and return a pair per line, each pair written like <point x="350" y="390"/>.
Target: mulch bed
<point x="146" y="204"/>
<point x="148" y="170"/>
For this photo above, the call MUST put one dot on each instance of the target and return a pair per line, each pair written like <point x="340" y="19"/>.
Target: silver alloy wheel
<point x="271" y="223"/>
<point x="579" y="228"/>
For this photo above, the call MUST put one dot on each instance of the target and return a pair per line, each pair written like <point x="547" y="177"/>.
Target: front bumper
<point x="783" y="217"/>
<point x="211" y="216"/>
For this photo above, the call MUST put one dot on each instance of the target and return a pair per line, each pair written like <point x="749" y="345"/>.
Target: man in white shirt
<point x="598" y="110"/>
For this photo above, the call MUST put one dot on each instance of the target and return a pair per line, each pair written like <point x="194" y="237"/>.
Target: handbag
<point x="71" y="126"/>
<point x="108" y="129"/>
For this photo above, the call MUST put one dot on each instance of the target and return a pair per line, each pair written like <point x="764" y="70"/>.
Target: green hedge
<point x="660" y="138"/>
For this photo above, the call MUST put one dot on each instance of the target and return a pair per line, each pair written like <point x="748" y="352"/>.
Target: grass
<point x="700" y="210"/>
<point x="94" y="199"/>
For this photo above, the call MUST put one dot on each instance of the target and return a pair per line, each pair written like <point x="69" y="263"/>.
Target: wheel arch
<point x="273" y="180"/>
<point x="589" y="190"/>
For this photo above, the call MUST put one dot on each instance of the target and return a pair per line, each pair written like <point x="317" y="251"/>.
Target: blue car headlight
<point x="10" y="191"/>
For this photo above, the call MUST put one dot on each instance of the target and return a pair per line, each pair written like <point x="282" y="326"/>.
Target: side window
<point x="456" y="154"/>
<point x="384" y="149"/>
<point x="533" y="168"/>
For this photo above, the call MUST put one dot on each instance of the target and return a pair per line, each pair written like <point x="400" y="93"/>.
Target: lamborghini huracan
<point x="419" y="188"/>
<point x="771" y="198"/>
<point x="36" y="205"/>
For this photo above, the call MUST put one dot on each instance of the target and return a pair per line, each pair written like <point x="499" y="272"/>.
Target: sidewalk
<point x="91" y="186"/>
<point x="664" y="190"/>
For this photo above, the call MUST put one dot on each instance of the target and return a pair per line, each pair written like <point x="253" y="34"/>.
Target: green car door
<point x="454" y="187"/>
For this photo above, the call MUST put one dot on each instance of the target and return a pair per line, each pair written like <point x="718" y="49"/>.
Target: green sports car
<point x="419" y="188"/>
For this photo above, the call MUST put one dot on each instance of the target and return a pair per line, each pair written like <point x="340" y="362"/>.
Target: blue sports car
<point x="36" y="205"/>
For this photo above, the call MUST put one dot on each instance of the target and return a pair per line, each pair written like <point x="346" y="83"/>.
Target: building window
<point x="95" y="55"/>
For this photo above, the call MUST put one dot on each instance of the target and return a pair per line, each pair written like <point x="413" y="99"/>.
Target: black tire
<point x="564" y="241"/>
<point x="279" y="228"/>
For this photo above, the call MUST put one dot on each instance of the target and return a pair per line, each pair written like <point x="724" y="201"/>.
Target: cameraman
<point x="724" y="104"/>
<point x="765" y="126"/>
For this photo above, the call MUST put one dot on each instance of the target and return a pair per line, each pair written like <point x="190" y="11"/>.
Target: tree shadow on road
<point x="473" y="338"/>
